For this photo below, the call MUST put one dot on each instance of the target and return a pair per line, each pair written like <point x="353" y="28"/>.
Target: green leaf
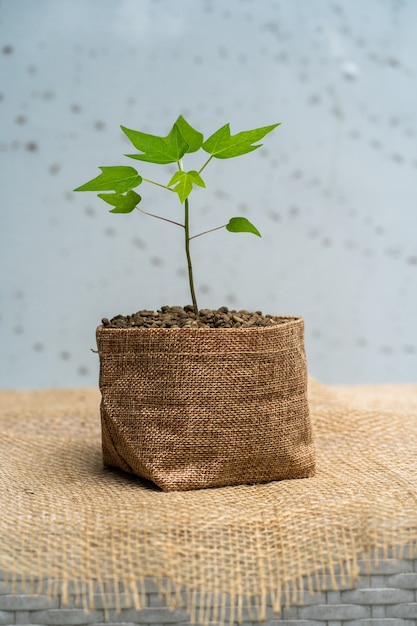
<point x="193" y="138"/>
<point x="184" y="183"/>
<point x="196" y="178"/>
<point x="123" y="203"/>
<point x="242" y="225"/>
<point x="223" y="145"/>
<point x="119" y="178"/>
<point x="169" y="149"/>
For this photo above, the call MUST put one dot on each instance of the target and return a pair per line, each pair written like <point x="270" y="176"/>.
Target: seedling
<point x="121" y="180"/>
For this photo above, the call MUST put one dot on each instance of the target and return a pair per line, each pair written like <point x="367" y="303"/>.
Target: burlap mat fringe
<point x="208" y="607"/>
<point x="95" y="537"/>
<point x="208" y="604"/>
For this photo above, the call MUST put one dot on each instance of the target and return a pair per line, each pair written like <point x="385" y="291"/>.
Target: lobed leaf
<point x="123" y="203"/>
<point x="242" y="225"/>
<point x="223" y="145"/>
<point x="193" y="138"/>
<point x="161" y="150"/>
<point x="118" y="178"/>
<point x="184" y="182"/>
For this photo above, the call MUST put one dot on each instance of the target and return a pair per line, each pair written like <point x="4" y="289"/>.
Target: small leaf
<point x="176" y="177"/>
<point x="184" y="183"/>
<point x="156" y="149"/>
<point x="196" y="178"/>
<point x="223" y="145"/>
<point x="119" y="178"/>
<point x="193" y="138"/>
<point x="123" y="203"/>
<point x="241" y="225"/>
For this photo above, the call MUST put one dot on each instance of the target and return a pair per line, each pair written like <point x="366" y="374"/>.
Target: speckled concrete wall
<point x="333" y="191"/>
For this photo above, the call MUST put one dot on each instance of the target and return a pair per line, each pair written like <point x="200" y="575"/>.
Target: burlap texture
<point x="189" y="408"/>
<point x="67" y="520"/>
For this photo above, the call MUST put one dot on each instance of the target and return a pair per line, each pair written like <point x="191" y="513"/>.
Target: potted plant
<point x="197" y="398"/>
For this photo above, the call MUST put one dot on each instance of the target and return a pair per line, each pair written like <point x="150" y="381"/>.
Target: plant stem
<point x="208" y="231"/>
<point x="158" y="184"/>
<point x="206" y="163"/>
<point x="187" y="252"/>
<point x="158" y="217"/>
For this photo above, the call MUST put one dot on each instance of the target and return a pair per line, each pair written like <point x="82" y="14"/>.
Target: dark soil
<point x="184" y="317"/>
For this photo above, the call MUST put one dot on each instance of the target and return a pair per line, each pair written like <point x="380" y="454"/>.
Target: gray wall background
<point x="333" y="191"/>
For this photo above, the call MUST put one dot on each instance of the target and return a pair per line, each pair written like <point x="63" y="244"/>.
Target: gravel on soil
<point x="184" y="317"/>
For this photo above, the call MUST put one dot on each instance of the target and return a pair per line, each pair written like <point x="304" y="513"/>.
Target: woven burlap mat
<point x="63" y="517"/>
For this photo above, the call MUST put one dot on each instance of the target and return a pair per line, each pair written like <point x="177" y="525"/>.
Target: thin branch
<point x="158" y="184"/>
<point x="206" y="163"/>
<point x="208" y="231"/>
<point x="158" y="217"/>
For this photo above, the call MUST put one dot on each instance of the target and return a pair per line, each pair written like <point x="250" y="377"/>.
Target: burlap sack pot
<point x="188" y="408"/>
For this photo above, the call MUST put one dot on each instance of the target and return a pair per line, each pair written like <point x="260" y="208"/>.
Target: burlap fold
<point x="201" y="407"/>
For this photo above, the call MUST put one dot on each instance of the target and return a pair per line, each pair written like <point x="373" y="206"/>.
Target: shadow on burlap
<point x="66" y="519"/>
